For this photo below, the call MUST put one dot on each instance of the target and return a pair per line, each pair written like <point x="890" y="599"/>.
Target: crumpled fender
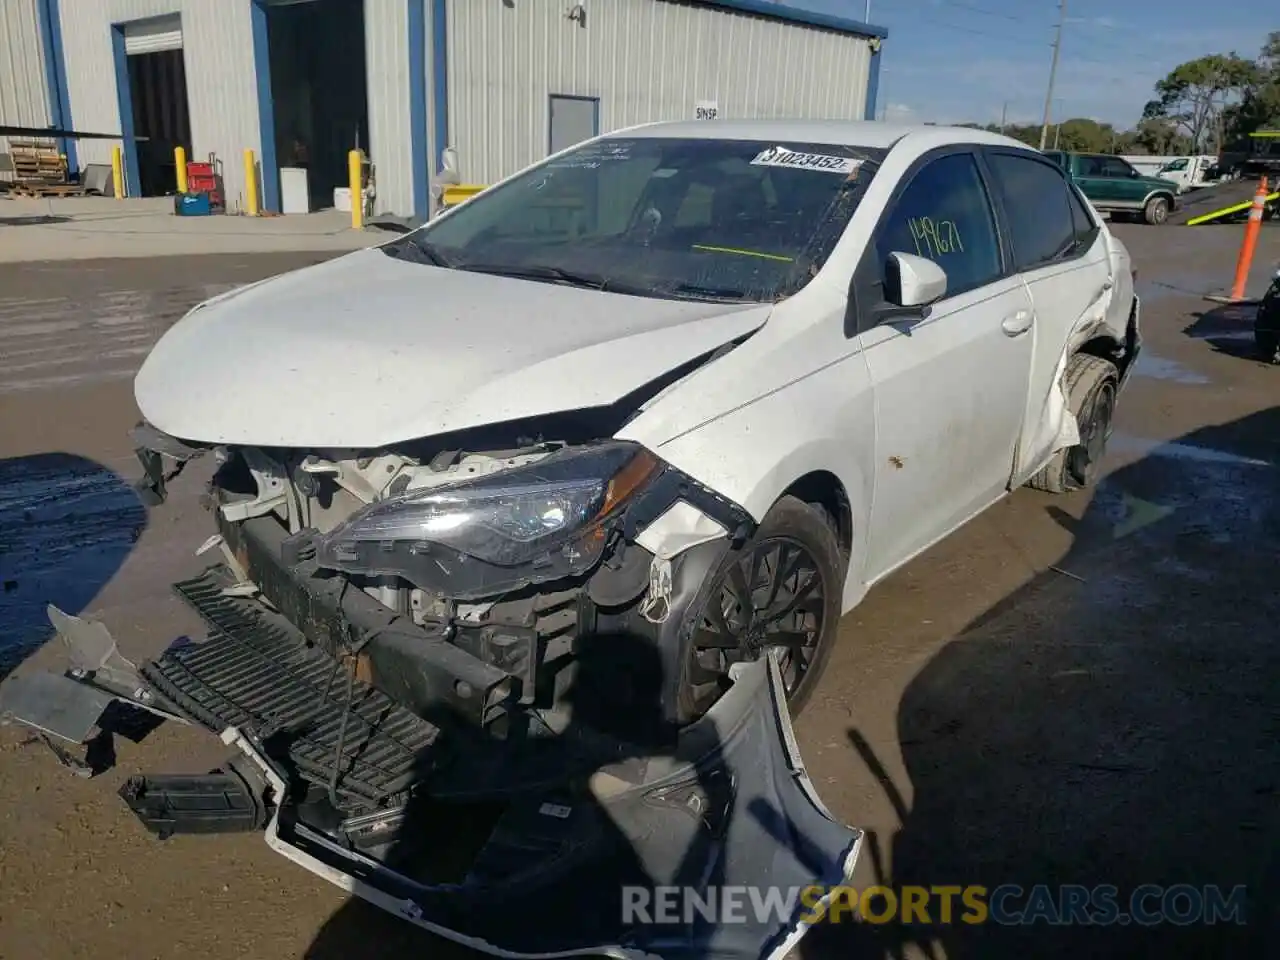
<point x="729" y="812"/>
<point x="1056" y="428"/>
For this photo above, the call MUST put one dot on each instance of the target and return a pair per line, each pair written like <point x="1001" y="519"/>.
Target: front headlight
<point x="527" y="524"/>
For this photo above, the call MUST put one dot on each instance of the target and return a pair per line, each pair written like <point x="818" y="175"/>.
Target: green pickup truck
<point x="1114" y="186"/>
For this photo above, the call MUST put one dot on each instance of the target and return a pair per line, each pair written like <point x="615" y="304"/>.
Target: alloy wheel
<point x="774" y="595"/>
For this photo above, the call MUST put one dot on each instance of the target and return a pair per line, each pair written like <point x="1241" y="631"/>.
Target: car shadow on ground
<point x="1115" y="722"/>
<point x="1228" y="329"/>
<point x="67" y="525"/>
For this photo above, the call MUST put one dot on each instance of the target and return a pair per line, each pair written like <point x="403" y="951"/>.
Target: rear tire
<point x="1156" y="212"/>
<point x="793" y="563"/>
<point x="1091" y="385"/>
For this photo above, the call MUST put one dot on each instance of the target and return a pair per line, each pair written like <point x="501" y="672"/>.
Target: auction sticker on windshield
<point x="782" y="157"/>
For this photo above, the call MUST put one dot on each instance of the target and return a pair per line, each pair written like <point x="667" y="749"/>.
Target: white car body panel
<point x="1065" y="298"/>
<point x="949" y="396"/>
<point x="923" y="427"/>
<point x="365" y="351"/>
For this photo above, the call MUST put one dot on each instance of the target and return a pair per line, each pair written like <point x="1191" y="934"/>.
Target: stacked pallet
<point x="38" y="169"/>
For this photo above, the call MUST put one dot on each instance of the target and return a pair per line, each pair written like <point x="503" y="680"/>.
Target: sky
<point x="951" y="61"/>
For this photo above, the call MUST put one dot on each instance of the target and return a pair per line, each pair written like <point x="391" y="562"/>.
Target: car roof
<point x="872" y="134"/>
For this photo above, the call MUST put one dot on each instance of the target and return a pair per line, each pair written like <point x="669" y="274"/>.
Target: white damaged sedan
<point x="549" y="508"/>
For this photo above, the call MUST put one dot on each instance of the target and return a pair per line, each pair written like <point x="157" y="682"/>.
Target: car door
<point x="1097" y="186"/>
<point x="1061" y="255"/>
<point x="1129" y="185"/>
<point x="949" y="389"/>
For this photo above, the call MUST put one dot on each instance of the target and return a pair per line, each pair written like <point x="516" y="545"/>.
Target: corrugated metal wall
<point x="645" y="59"/>
<point x="221" y="83"/>
<point x="390" y="84"/>
<point x="386" y="41"/>
<point x="24" y="94"/>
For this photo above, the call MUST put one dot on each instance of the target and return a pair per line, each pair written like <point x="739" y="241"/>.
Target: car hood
<point x="368" y="350"/>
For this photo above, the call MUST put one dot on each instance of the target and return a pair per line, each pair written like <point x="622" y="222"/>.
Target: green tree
<point x="1260" y="106"/>
<point x="1195" y="95"/>
<point x="1159" y="137"/>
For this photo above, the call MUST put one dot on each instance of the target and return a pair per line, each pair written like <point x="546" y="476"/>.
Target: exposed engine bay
<point x="506" y="562"/>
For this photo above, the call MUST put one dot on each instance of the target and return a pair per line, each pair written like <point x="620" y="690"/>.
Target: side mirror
<point x="912" y="283"/>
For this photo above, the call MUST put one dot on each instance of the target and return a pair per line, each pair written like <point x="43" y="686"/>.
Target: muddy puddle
<point x="1156" y="367"/>
<point x="67" y="524"/>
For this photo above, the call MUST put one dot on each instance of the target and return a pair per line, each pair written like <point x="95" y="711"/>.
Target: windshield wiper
<point x="595" y="281"/>
<point x="701" y="292"/>
<point x="591" y="281"/>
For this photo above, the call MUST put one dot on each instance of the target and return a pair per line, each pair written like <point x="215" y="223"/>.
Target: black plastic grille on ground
<point x="256" y="672"/>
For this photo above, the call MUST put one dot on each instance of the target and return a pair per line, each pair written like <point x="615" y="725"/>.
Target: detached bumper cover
<point x="732" y="811"/>
<point x="641" y="858"/>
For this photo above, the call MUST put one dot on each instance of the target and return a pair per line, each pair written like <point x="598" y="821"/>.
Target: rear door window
<point x="1037" y="203"/>
<point x="1115" y="167"/>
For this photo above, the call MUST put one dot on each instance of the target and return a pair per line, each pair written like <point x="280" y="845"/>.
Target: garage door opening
<point x="157" y="79"/>
<point x="319" y="95"/>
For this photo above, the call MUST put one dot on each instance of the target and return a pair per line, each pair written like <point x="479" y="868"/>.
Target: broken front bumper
<point x="630" y="865"/>
<point x="641" y="858"/>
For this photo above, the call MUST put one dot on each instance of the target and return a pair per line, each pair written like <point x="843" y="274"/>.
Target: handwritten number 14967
<point x="935" y="238"/>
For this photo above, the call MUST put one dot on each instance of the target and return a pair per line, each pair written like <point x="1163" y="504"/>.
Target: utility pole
<point x="866" y="17"/>
<point x="1004" y="116"/>
<point x="1053" y="72"/>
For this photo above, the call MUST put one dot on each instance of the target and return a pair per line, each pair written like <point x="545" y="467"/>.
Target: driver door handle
<point x="1017" y="324"/>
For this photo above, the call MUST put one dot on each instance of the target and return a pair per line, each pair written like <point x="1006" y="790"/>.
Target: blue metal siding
<point x="55" y="73"/>
<point x="440" y="78"/>
<point x="124" y="96"/>
<point x="418" y="151"/>
<point x="873" y="84"/>
<point x="270" y="171"/>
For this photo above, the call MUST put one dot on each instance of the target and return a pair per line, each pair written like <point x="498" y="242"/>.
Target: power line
<point x="983" y="33"/>
<point x="987" y="13"/>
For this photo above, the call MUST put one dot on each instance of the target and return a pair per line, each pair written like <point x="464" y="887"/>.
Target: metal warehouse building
<point x="501" y="82"/>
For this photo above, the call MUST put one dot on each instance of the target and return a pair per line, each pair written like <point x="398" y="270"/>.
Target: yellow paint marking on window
<point x="744" y="253"/>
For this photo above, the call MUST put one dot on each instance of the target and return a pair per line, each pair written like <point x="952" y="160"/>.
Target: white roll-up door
<point x="151" y="36"/>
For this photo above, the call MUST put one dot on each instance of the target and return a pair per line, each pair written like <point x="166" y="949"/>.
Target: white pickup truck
<point x="1190" y="173"/>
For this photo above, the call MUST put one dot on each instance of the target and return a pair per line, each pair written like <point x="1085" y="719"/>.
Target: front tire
<point x="1156" y="212"/>
<point x="782" y="588"/>
<point x="1091" y="384"/>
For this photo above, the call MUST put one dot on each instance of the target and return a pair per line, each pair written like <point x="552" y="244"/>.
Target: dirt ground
<point x="1082" y="689"/>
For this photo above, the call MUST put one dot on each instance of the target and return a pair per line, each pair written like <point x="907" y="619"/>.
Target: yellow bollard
<point x="250" y="184"/>
<point x="117" y="171"/>
<point x="180" y="163"/>
<point x="355" y="177"/>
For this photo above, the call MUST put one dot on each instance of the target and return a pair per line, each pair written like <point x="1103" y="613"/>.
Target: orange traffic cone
<point x="1251" y="231"/>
